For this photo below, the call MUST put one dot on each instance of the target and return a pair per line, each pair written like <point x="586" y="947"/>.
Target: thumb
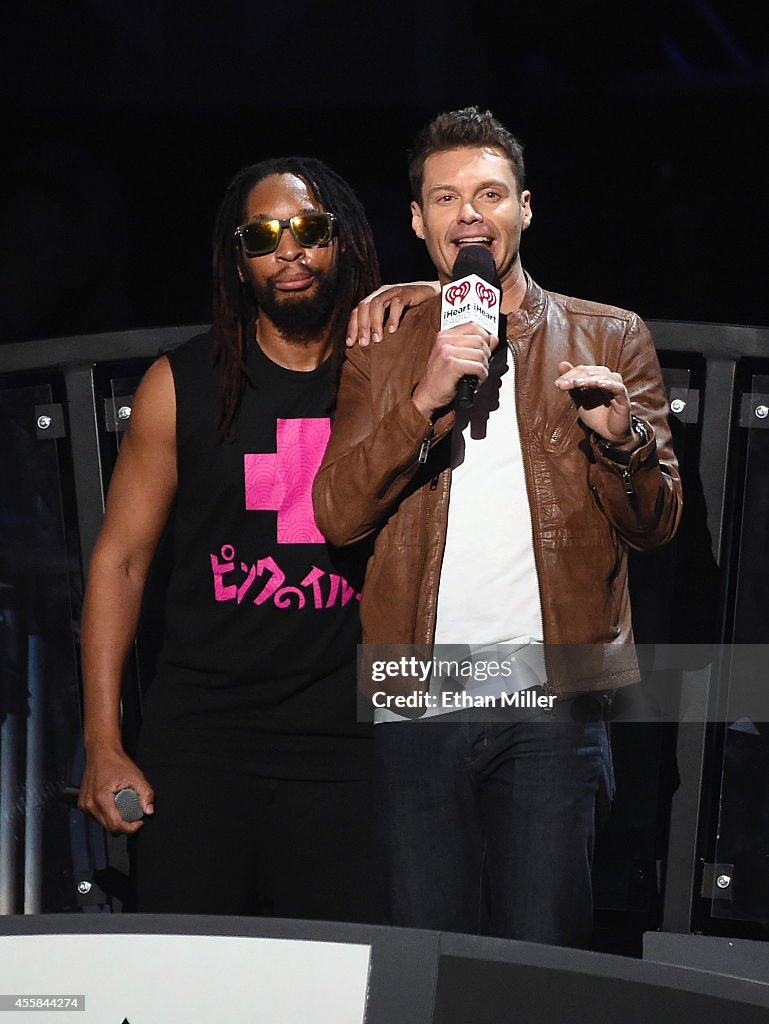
<point x="147" y="799"/>
<point x="564" y="367"/>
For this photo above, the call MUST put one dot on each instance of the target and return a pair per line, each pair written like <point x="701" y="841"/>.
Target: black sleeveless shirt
<point x="257" y="668"/>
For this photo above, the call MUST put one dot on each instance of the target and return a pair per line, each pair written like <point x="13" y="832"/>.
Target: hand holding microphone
<point x="459" y="359"/>
<point x="114" y="790"/>
<point x="473" y="297"/>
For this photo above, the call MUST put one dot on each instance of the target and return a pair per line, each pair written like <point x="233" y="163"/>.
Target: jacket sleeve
<point x="641" y="497"/>
<point x="371" y="457"/>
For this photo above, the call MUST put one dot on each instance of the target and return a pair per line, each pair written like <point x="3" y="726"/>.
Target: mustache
<point x="287" y="272"/>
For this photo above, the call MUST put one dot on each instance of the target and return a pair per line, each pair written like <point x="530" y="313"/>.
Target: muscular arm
<point x="140" y="494"/>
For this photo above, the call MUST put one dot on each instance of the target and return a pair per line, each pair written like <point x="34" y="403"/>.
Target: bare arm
<point x="140" y="495"/>
<point x="367" y="320"/>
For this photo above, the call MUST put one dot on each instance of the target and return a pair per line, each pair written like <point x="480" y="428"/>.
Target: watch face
<point x="639" y="428"/>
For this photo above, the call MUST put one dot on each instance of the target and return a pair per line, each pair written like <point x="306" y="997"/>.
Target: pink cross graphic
<point x="282" y="482"/>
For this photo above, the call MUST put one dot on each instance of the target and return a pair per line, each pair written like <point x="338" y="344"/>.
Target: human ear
<point x="417" y="223"/>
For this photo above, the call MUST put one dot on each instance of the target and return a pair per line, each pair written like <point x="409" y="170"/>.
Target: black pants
<point x="221" y="843"/>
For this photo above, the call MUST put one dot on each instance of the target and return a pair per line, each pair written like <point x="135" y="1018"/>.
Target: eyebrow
<point x="299" y="213"/>
<point x="496" y="182"/>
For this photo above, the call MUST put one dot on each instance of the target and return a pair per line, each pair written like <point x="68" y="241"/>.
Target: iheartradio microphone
<point x="128" y="805"/>
<point x="472" y="297"/>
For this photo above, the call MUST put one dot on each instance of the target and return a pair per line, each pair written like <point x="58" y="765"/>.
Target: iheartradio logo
<point x="470" y="300"/>
<point x="488" y="296"/>
<point x="457" y="292"/>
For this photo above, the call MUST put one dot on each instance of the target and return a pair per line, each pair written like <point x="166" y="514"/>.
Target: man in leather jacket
<point x="507" y="524"/>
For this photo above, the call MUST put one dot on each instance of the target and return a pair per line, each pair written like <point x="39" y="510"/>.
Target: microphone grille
<point x="476" y="259"/>
<point x="128" y="805"/>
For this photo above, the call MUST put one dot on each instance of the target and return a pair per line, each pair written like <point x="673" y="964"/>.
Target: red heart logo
<point x="457" y="293"/>
<point x="487" y="295"/>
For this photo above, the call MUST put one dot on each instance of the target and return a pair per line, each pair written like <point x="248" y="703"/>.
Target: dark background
<point x="644" y="127"/>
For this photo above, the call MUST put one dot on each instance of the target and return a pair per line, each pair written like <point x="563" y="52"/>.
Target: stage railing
<point x="64" y="403"/>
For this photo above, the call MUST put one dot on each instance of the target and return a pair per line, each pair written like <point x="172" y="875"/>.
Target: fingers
<point x="359" y="324"/>
<point x="102" y="807"/>
<point x="146" y="796"/>
<point x="601" y="377"/>
<point x="112" y="815"/>
<point x="352" y="327"/>
<point x="466" y="342"/>
<point x="97" y="796"/>
<point x="397" y="308"/>
<point x="367" y="321"/>
<point x="456" y="353"/>
<point x="369" y="325"/>
<point x="468" y="336"/>
<point x="363" y="336"/>
<point x="467" y="360"/>
<point x="601" y="397"/>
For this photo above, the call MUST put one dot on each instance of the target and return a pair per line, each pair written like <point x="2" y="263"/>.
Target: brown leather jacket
<point x="586" y="508"/>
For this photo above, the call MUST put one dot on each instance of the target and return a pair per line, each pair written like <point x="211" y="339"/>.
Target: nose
<point x="468" y="214"/>
<point x="288" y="248"/>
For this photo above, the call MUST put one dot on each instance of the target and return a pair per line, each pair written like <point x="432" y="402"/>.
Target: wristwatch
<point x="620" y="455"/>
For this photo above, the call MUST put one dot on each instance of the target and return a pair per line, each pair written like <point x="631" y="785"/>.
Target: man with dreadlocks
<point x="254" y="768"/>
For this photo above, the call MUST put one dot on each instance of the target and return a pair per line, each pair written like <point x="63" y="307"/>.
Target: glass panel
<point x="41" y="836"/>
<point x="741" y="883"/>
<point x="632" y="843"/>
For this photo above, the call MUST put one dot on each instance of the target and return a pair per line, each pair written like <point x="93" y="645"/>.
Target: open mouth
<point x="460" y="243"/>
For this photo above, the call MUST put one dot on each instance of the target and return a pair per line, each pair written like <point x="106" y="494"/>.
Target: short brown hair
<point x="460" y="129"/>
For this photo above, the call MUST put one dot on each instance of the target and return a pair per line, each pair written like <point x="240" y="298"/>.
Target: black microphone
<point x="473" y="296"/>
<point x="128" y="805"/>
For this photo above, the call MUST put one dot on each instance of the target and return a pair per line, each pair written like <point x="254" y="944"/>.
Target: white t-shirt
<point x="489" y="610"/>
<point x="488" y="592"/>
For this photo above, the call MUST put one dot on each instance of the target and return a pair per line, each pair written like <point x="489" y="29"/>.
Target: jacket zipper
<point x="546" y="684"/>
<point x="560" y="426"/>
<point x="424" y="450"/>
<point x="629" y="489"/>
<point x="432" y="608"/>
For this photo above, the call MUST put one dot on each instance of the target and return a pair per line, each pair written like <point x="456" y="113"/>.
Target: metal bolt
<point x="44" y="422"/>
<point x="124" y="412"/>
<point x="84" y="888"/>
<point x="677" y="405"/>
<point x="724" y="881"/>
<point x="762" y="411"/>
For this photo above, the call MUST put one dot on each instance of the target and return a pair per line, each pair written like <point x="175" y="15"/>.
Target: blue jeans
<point x="488" y="827"/>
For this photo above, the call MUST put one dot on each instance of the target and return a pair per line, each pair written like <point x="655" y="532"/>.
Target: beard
<point x="297" y="316"/>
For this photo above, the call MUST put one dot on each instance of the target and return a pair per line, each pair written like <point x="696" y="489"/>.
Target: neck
<point x="292" y="353"/>
<point x="513" y="288"/>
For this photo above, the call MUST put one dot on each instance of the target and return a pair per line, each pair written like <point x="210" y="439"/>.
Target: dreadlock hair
<point x="462" y="129"/>
<point x="235" y="309"/>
